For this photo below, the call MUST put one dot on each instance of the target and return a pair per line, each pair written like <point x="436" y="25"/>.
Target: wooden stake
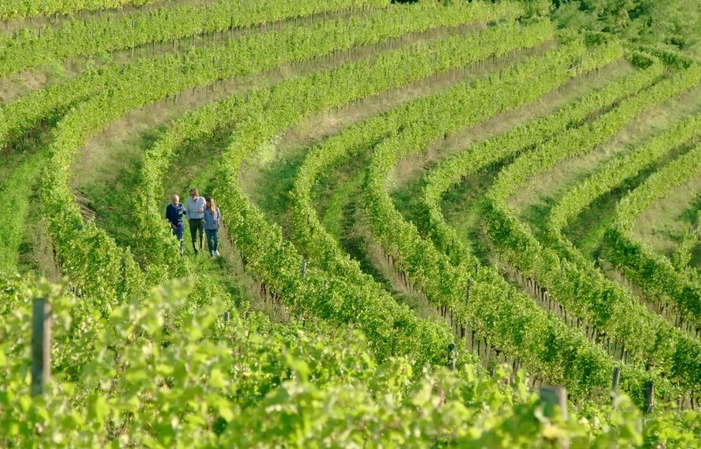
<point x="551" y="397"/>
<point x="41" y="345"/>
<point x="451" y="355"/>
<point x="616" y="380"/>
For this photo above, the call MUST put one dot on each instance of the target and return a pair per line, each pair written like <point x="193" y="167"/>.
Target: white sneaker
<point x="216" y="253"/>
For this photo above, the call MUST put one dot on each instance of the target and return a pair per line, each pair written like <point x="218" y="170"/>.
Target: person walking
<point x="194" y="208"/>
<point x="174" y="214"/>
<point x="212" y="220"/>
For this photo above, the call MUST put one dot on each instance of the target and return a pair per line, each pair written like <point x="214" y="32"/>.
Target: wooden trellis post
<point x="551" y="397"/>
<point x="452" y="356"/>
<point x="41" y="345"/>
<point x="650" y="397"/>
<point x="616" y="380"/>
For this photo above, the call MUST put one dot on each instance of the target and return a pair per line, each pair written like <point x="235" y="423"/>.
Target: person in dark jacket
<point x="174" y="214"/>
<point x="212" y="219"/>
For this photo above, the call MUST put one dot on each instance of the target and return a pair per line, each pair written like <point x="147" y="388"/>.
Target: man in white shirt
<point x="194" y="209"/>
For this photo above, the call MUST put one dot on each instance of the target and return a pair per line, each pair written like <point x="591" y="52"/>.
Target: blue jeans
<point x="179" y="232"/>
<point x="212" y="240"/>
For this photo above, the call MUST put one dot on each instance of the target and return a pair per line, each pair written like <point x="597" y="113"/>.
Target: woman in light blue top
<point x="212" y="220"/>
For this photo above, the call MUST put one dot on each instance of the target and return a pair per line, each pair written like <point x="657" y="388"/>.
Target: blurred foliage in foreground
<point x="166" y="372"/>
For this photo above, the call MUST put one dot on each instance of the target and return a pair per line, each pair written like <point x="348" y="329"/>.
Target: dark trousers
<point x="196" y="226"/>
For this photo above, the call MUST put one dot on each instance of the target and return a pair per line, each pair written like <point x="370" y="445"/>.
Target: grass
<point x="341" y="215"/>
<point x="462" y="208"/>
<point x="695" y="261"/>
<point x="14" y="86"/>
<point x="412" y="167"/>
<point x="36" y="250"/>
<point x="20" y="172"/>
<point x="339" y="196"/>
<point x="338" y="202"/>
<point x="664" y="224"/>
<point x="107" y="166"/>
<point x="9" y="26"/>
<point x="12" y="158"/>
<point x="587" y="230"/>
<point x="537" y="196"/>
<point x="269" y="177"/>
<point x="195" y="167"/>
<point x="18" y="188"/>
<point x="17" y="85"/>
<point x="276" y="164"/>
<point x="106" y="175"/>
<point x="54" y="71"/>
<point x="462" y="204"/>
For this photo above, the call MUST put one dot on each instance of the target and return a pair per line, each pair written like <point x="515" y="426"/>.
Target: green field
<point x="432" y="211"/>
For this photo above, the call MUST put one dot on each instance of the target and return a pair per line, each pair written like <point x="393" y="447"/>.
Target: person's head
<point x="175" y="199"/>
<point x="194" y="193"/>
<point x="211" y="205"/>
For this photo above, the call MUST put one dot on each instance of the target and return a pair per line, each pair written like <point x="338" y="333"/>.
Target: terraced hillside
<point x="430" y="211"/>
